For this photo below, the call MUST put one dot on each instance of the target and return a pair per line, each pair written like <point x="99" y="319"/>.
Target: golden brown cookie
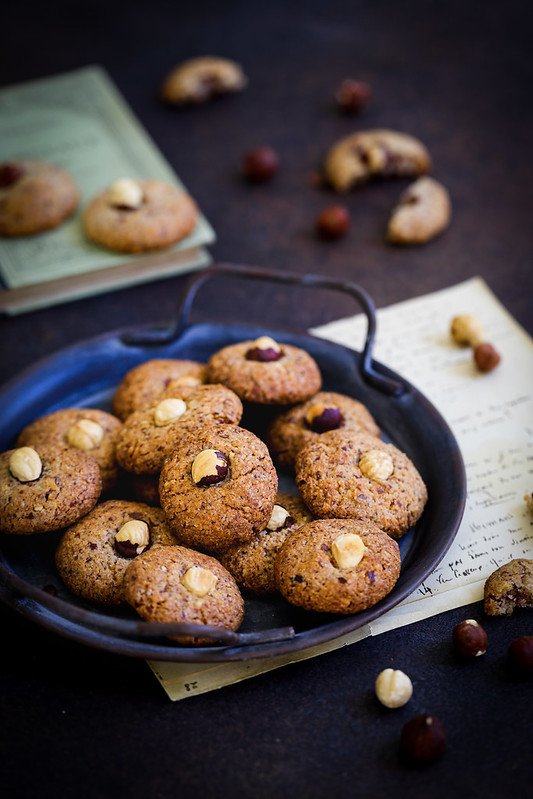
<point x="361" y="156"/>
<point x="266" y="372"/>
<point x="423" y="211"/>
<point x="290" y="430"/>
<point x="34" y="196"/>
<point x="344" y="474"/>
<point x="200" y="79"/>
<point x="252" y="564"/>
<point x="139" y="215"/>
<point x="46" y="487"/>
<point x="144" y="383"/>
<point x="337" y="566"/>
<point x="177" y="584"/>
<point x="509" y="587"/>
<point x="94" y="553"/>
<point x="89" y="429"/>
<point x="150" y="435"/>
<point x="218" y="487"/>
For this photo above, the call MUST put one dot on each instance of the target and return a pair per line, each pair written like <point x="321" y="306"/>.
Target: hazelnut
<point x="423" y="739"/>
<point x="260" y="164"/>
<point x="168" y="411"/>
<point x="393" y="688"/>
<point x="125" y="194"/>
<point x="376" y="464"/>
<point x="9" y="174"/>
<point x="199" y="581"/>
<point x="333" y="222"/>
<point x="132" y="538"/>
<point x="347" y="550"/>
<point x="264" y="349"/>
<point x="321" y="418"/>
<point x="466" y="329"/>
<point x="85" y="434"/>
<point x="521" y="654"/>
<point x="209" y="467"/>
<point x="352" y="95"/>
<point x="470" y="638"/>
<point x="279" y="518"/>
<point x="486" y="357"/>
<point x="25" y="464"/>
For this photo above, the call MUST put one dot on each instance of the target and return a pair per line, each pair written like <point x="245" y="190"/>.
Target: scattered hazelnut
<point x="25" y="464"/>
<point x="168" y="411"/>
<point x="9" y="174"/>
<point x="347" y="550"/>
<point x="264" y="349"/>
<point x="125" y="194"/>
<point x="528" y="499"/>
<point x="352" y="95"/>
<point x="486" y="357"/>
<point x="279" y="518"/>
<point x="85" y="434"/>
<point x="376" y="464"/>
<point x="333" y="222"/>
<point x="132" y="538"/>
<point x="199" y="581"/>
<point x="260" y="164"/>
<point x="320" y="418"/>
<point x="521" y="654"/>
<point x="466" y="329"/>
<point x="209" y="467"/>
<point x="423" y="739"/>
<point x="470" y="638"/>
<point x="393" y="688"/>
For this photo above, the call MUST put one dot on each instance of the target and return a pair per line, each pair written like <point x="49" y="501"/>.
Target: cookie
<point x="94" y="553"/>
<point x="252" y="564"/>
<point x="358" y="158"/>
<point x="509" y="587"/>
<point x="46" y="488"/>
<point x="88" y="429"/>
<point x="138" y="215"/>
<point x="177" y="584"/>
<point x="337" y="566"/>
<point x="344" y="474"/>
<point x="144" y="383"/>
<point x="265" y="372"/>
<point x="34" y="196"/>
<point x="200" y="79"/>
<point x="148" y="436"/>
<point x="290" y="430"/>
<point x="218" y="487"/>
<point x="423" y="211"/>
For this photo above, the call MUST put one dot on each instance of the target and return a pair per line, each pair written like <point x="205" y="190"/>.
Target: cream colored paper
<point x="491" y="416"/>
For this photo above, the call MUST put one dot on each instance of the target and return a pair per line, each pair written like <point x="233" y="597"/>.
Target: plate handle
<point x="167" y="335"/>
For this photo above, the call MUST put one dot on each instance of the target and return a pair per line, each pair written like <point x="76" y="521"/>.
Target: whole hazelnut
<point x="470" y="638"/>
<point x="393" y="688"/>
<point x="466" y="329"/>
<point x="333" y="222"/>
<point x="486" y="357"/>
<point x="423" y="739"/>
<point x="352" y="95"/>
<point x="321" y="418"/>
<point x="209" y="468"/>
<point x="264" y="349"/>
<point x="521" y="654"/>
<point x="260" y="164"/>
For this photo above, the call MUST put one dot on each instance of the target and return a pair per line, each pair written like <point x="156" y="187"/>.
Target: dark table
<point x="81" y="722"/>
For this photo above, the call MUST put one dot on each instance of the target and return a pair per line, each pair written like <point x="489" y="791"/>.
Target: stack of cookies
<point x="204" y="522"/>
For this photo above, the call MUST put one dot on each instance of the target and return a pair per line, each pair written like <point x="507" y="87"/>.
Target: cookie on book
<point x="266" y="372"/>
<point x="89" y="429"/>
<point x="290" y="430"/>
<point x="178" y="584"/>
<point x="93" y="554"/>
<point x="345" y="474"/>
<point x="46" y="487"/>
<point x="509" y="587"/>
<point x="337" y="566"/>
<point x="34" y="196"/>
<point x="200" y="79"/>
<point x="133" y="216"/>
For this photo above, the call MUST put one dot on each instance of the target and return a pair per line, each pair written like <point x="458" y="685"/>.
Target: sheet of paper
<point x="491" y="415"/>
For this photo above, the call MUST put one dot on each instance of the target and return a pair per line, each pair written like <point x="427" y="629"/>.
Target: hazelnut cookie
<point x="423" y="211"/>
<point x="200" y="79"/>
<point x="509" y="587"/>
